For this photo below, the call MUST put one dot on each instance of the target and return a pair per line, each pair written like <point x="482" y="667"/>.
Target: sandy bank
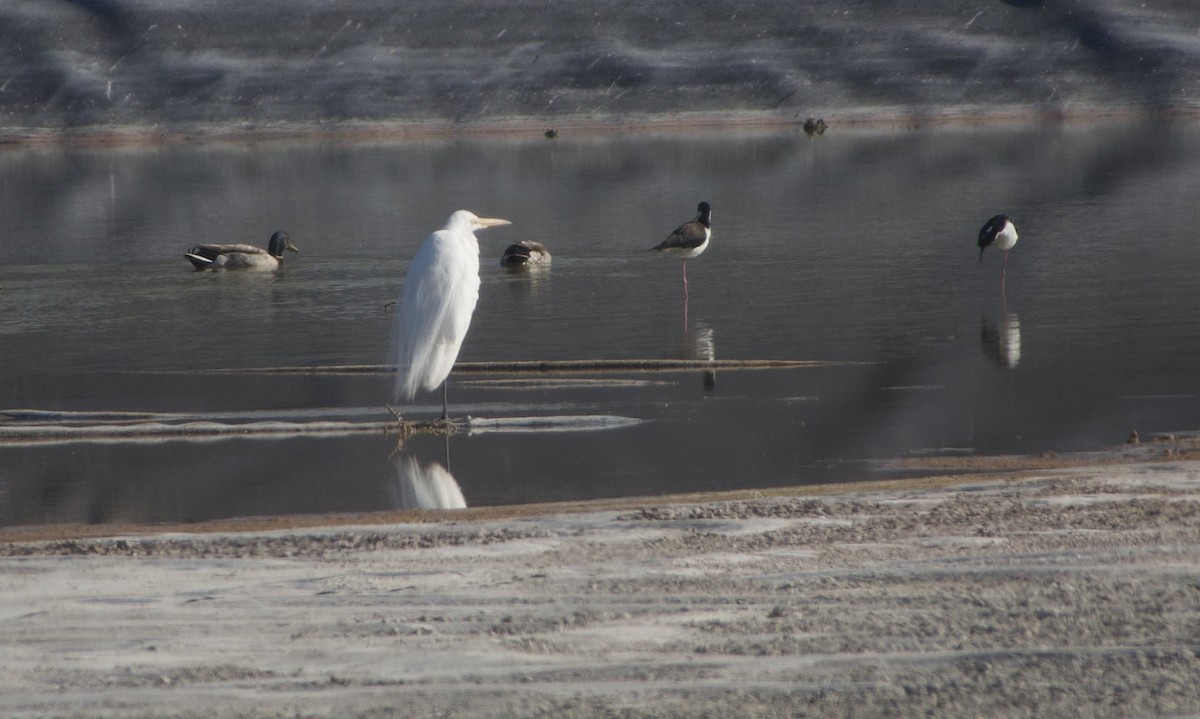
<point x="1066" y="593"/>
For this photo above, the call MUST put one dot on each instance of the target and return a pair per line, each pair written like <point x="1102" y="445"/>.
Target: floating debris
<point x="60" y="433"/>
<point x="559" y="383"/>
<point x="43" y="415"/>
<point x="42" y="427"/>
<point x="546" y="366"/>
<point x="555" y="423"/>
<point x="404" y="428"/>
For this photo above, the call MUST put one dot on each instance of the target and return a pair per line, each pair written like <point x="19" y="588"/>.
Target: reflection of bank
<point x="1001" y="342"/>
<point x="424" y="486"/>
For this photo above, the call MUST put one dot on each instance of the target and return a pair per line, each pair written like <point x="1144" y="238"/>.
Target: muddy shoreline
<point x="925" y="473"/>
<point x="1061" y="592"/>
<point x="536" y="128"/>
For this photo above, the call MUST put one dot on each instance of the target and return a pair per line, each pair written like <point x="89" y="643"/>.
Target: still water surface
<point x="855" y="247"/>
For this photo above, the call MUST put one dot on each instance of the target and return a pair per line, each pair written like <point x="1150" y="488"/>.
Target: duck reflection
<point x="530" y="278"/>
<point x="424" y="486"/>
<point x="1001" y="342"/>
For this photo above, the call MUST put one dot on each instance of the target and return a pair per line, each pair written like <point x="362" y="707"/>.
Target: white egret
<point x="440" y="292"/>
<point x="241" y="257"/>
<point x="1001" y="233"/>
<point x="689" y="239"/>
<point x="525" y="252"/>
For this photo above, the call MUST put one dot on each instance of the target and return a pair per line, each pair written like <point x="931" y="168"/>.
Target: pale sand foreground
<point x="1073" y="592"/>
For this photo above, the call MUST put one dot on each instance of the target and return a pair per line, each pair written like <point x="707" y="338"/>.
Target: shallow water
<point x="855" y="247"/>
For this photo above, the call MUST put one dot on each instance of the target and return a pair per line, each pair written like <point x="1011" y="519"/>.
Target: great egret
<point x="689" y="239"/>
<point x="525" y="252"/>
<point x="241" y="257"/>
<point x="1001" y="233"/>
<point x="440" y="292"/>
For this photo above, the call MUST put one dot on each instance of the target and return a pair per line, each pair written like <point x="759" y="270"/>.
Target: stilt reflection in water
<point x="700" y="344"/>
<point x="1001" y="342"/>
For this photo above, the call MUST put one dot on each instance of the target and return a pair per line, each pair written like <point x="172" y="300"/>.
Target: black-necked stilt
<point x="1001" y="233"/>
<point x="240" y="256"/>
<point x="440" y="292"/>
<point x="689" y="239"/>
<point x="525" y="252"/>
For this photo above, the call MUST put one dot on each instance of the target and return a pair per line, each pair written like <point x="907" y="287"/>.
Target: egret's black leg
<point x="445" y="404"/>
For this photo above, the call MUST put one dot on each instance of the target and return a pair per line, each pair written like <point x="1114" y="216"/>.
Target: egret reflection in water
<point x="1001" y="341"/>
<point x="424" y="485"/>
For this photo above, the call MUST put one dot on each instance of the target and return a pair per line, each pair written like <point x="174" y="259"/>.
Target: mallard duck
<point x="240" y="256"/>
<point x="689" y="239"/>
<point x="525" y="252"/>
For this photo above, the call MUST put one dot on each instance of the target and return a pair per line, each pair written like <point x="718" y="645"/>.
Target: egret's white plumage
<point x="440" y="292"/>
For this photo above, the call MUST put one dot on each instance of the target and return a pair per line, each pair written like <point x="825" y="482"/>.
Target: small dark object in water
<point x="1134" y="438"/>
<point x="814" y="126"/>
<point x="525" y="252"/>
<point x="551" y="134"/>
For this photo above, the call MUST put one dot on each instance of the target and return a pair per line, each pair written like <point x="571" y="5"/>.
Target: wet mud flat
<point x="1058" y="592"/>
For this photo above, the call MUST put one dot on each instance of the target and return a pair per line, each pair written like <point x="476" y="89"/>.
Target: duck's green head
<point x="280" y="242"/>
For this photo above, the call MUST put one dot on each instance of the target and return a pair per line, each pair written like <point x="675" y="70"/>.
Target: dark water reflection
<point x="854" y="246"/>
